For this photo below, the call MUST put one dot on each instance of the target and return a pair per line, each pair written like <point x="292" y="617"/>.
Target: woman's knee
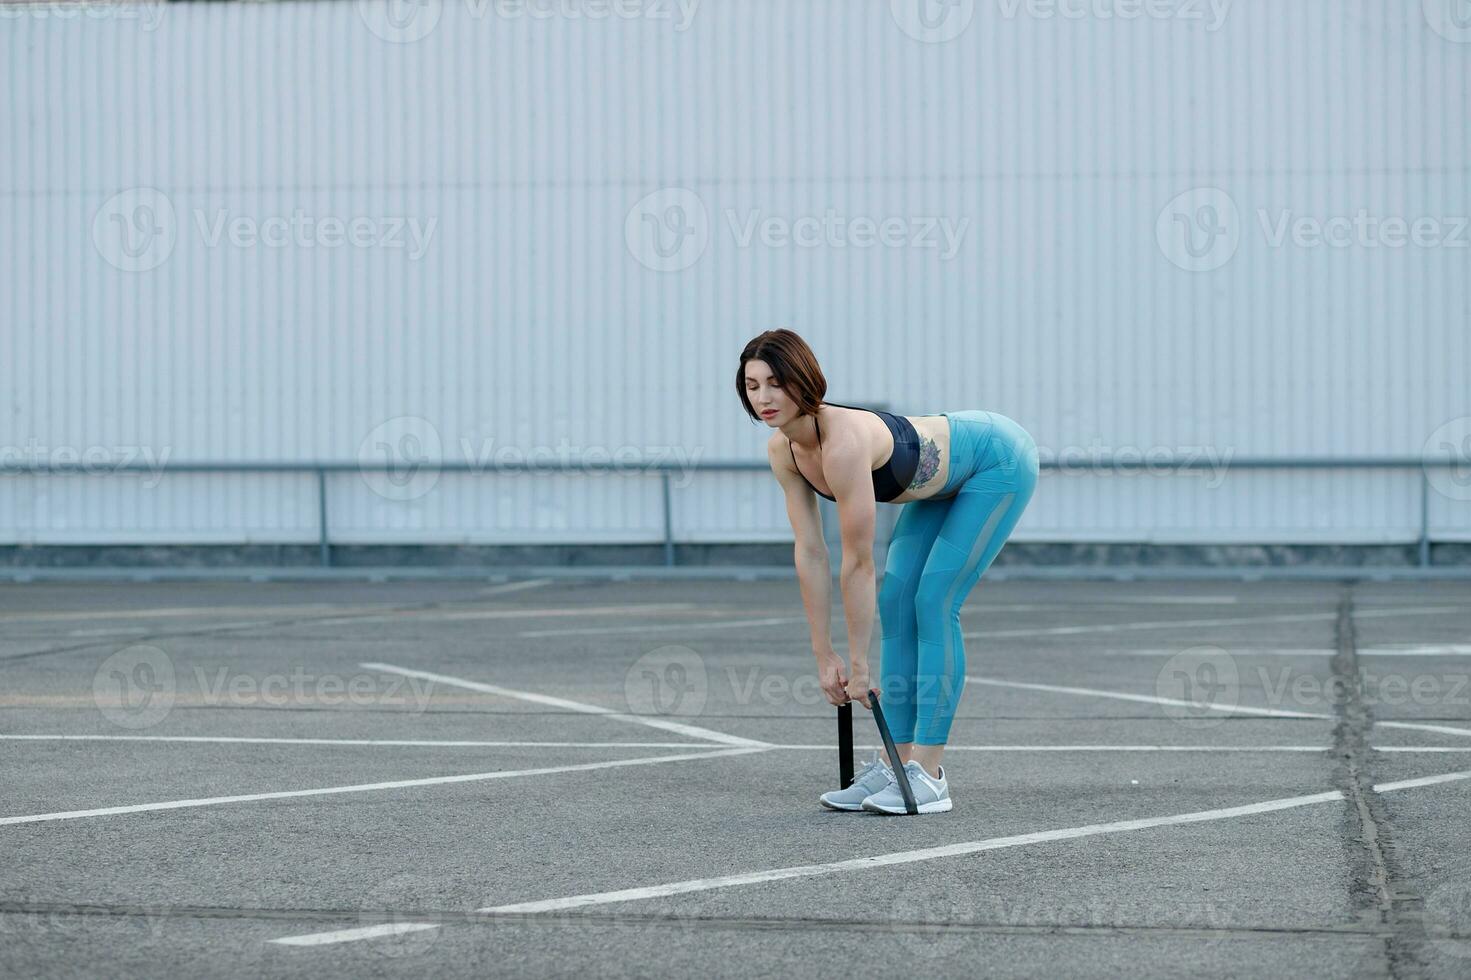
<point x="895" y="598"/>
<point x="934" y="597"/>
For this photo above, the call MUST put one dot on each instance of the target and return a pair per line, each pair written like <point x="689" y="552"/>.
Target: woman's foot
<point x="931" y="794"/>
<point x="865" y="784"/>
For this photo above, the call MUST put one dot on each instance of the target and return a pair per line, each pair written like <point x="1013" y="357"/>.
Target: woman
<point x="964" y="478"/>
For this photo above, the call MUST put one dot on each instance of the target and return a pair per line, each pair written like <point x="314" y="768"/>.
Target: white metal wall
<point x="144" y="146"/>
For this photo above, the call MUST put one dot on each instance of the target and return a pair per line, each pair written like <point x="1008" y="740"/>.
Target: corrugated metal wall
<point x="158" y="299"/>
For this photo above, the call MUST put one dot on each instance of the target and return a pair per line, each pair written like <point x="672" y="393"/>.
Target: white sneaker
<point x="931" y="795"/>
<point x="869" y="780"/>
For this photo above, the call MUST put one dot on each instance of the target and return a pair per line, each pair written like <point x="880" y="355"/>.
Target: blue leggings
<point x="939" y="548"/>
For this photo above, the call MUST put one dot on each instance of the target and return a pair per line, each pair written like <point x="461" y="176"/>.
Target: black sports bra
<point x="891" y="479"/>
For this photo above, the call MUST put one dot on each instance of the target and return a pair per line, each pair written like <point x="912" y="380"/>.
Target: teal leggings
<point x="938" y="550"/>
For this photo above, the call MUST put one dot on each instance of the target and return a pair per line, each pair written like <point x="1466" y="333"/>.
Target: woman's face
<point x="766" y="396"/>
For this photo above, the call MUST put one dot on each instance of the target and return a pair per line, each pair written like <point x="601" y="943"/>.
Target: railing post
<point x="1424" y="518"/>
<point x="668" y="522"/>
<point x="326" y="554"/>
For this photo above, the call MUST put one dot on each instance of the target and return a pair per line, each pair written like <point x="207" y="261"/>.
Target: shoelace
<point x="875" y="763"/>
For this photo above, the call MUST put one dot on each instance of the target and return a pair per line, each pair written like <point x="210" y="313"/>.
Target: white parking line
<point x="1405" y="650"/>
<point x="107" y="631"/>
<point x="1239" y="709"/>
<point x="391" y="742"/>
<point x="931" y="853"/>
<point x="1417" y="650"/>
<point x="949" y="850"/>
<point x="770" y="747"/>
<point x="505" y="587"/>
<point x="364" y="787"/>
<point x="171" y="612"/>
<point x="1230" y="621"/>
<point x="679" y="728"/>
<point x="352" y="935"/>
<point x="1145" y="698"/>
<point x="664" y="627"/>
<point x="542" y="612"/>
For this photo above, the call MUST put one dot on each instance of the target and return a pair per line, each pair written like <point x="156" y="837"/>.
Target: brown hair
<point x="792" y="363"/>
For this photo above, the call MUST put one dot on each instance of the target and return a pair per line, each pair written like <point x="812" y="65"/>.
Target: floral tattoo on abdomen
<point x="929" y="462"/>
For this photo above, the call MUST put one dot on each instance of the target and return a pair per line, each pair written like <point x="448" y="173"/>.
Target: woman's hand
<point x="858" y="685"/>
<point x="832" y="678"/>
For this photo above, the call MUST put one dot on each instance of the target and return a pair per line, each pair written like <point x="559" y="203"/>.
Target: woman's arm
<point x="845" y="465"/>
<point x="814" y="574"/>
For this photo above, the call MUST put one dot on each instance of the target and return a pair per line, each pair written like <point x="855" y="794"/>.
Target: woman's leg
<point x="909" y="546"/>
<point x="981" y="517"/>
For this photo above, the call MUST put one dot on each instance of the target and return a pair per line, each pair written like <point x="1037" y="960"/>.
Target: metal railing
<point x="320" y="469"/>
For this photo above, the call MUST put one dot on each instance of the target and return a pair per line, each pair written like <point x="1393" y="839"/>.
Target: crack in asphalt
<point x="453" y="917"/>
<point x="1377" y="887"/>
